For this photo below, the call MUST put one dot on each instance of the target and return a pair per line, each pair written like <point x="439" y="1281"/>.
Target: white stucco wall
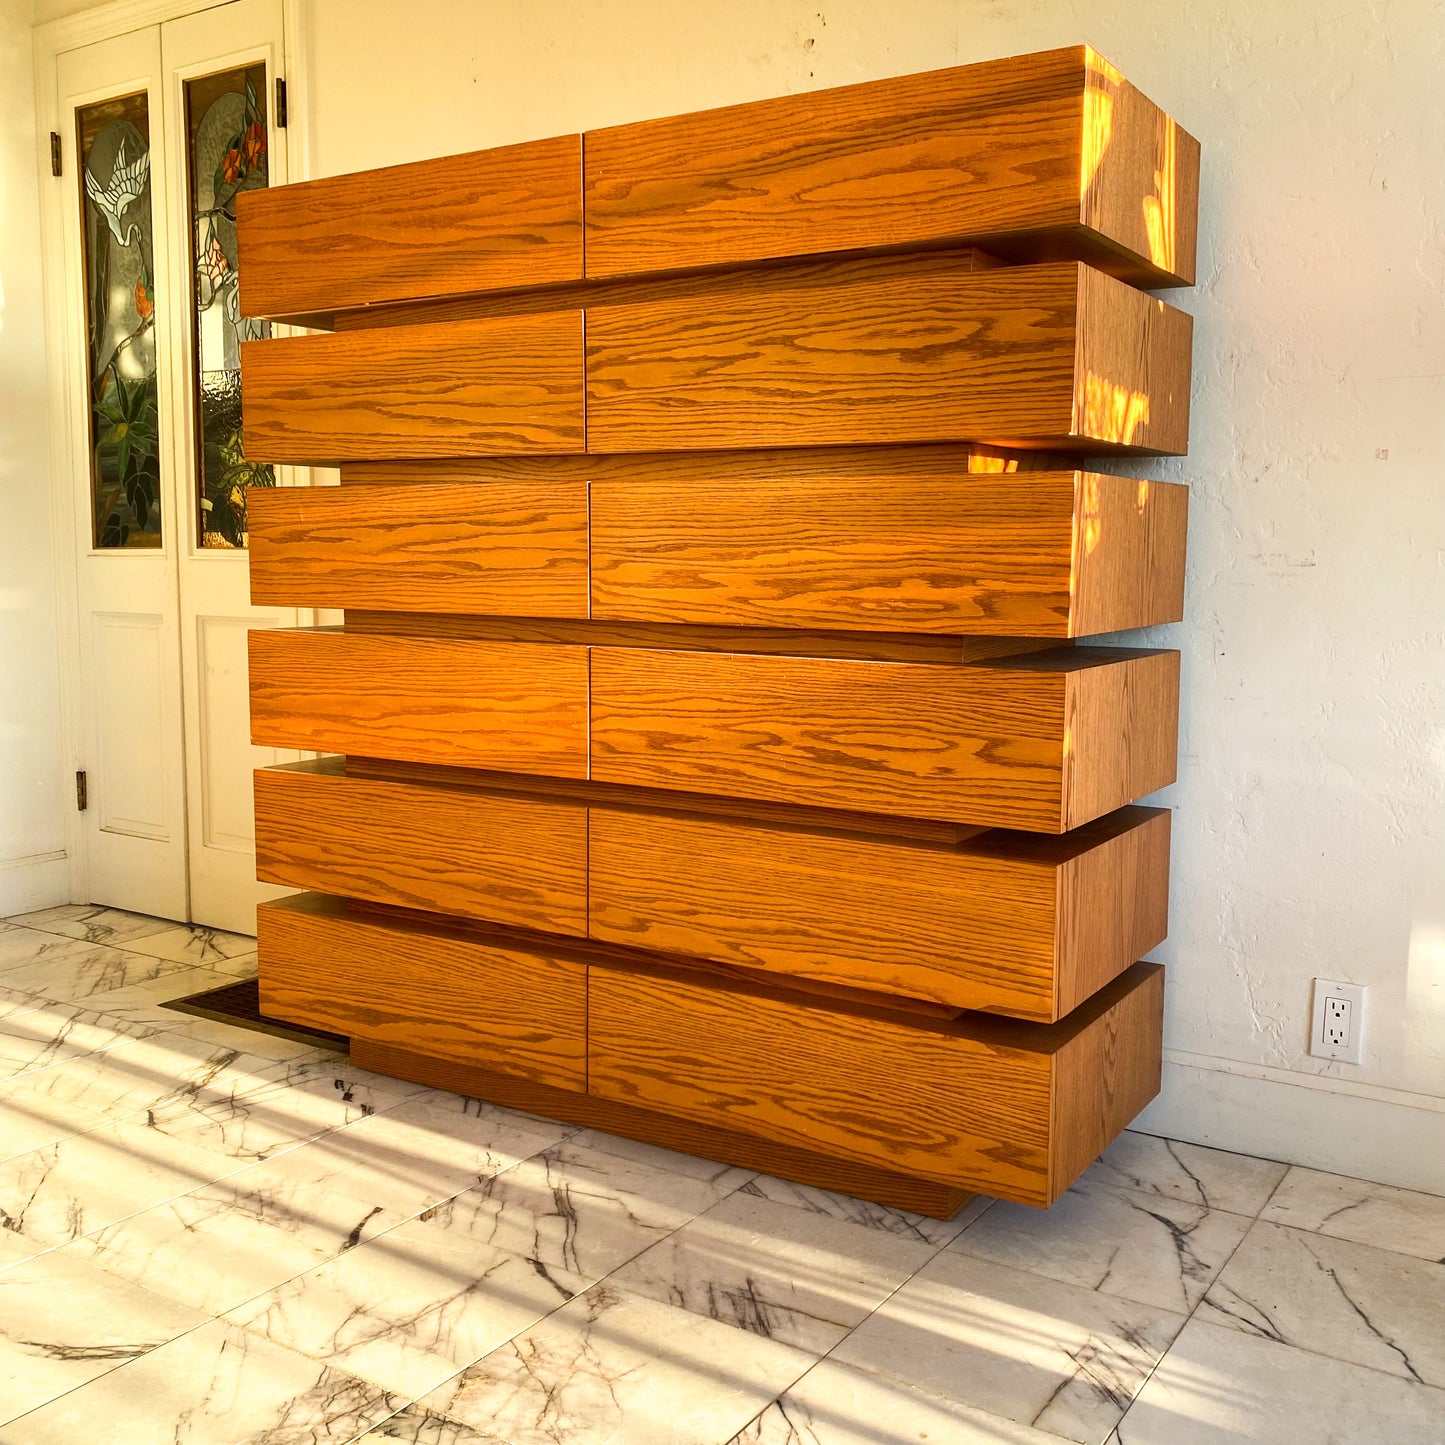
<point x="33" y="870"/>
<point x="1310" y="822"/>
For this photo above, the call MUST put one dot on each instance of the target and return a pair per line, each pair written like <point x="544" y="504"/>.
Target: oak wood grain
<point x="451" y="994"/>
<point x="516" y="707"/>
<point x="804" y="642"/>
<point x="969" y="1102"/>
<point x="744" y="1151"/>
<point x="1056" y="556"/>
<point x="1027" y="926"/>
<point x="1044" y="742"/>
<point x="468" y="388"/>
<point x="992" y="152"/>
<point x="504" y="547"/>
<point x="505" y="858"/>
<point x="510" y="216"/>
<point x="590" y="790"/>
<point x="995" y="356"/>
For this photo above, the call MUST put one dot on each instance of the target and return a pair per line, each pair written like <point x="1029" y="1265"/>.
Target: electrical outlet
<point x="1338" y="1030"/>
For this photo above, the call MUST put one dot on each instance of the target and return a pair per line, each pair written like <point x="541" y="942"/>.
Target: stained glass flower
<point x="214" y="261"/>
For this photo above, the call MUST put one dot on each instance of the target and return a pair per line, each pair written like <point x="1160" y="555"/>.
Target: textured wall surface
<point x="1310" y="827"/>
<point x="32" y="835"/>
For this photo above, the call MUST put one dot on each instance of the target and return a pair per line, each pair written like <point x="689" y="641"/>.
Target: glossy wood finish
<point x="495" y="218"/>
<point x="991" y="153"/>
<point x="503" y="547"/>
<point x="1043" y="742"/>
<point x="1060" y="555"/>
<point x="495" y="856"/>
<point x="745" y="1151"/>
<point x="478" y="704"/>
<point x="971" y="1102"/>
<point x="1029" y="356"/>
<point x="470" y="388"/>
<point x="1027" y="926"/>
<point x="452" y="994"/>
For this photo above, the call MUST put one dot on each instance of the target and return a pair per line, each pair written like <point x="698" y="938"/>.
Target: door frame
<point x="63" y="311"/>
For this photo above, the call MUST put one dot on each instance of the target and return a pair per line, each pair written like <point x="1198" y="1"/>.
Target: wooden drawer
<point x="492" y="856"/>
<point x="440" y="991"/>
<point x="1046" y="554"/>
<point x="1043" y="742"/>
<point x="506" y="217"/>
<point x="504" y="548"/>
<point x="1017" y="924"/>
<point x="458" y="389"/>
<point x="521" y="707"/>
<point x="1055" y="355"/>
<point x="990" y="153"/>
<point x="1009" y="1109"/>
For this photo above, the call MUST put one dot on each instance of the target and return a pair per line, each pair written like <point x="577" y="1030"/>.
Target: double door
<point x="160" y="130"/>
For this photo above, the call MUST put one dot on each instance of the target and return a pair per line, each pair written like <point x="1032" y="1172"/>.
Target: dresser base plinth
<point x="897" y="1191"/>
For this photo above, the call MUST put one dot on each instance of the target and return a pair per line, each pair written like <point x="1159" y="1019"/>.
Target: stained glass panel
<point x="226" y="154"/>
<point x="113" y="143"/>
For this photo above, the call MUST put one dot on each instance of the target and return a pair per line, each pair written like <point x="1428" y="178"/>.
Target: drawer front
<point x="980" y="744"/>
<point x="436" y="992"/>
<point x="930" y="353"/>
<point x="517" y="707"/>
<point x="508" y="860"/>
<point x="513" y="549"/>
<point x="968" y="1104"/>
<point x="966" y="555"/>
<point x="1026" y="926"/>
<point x="458" y="389"/>
<point x="490" y="219"/>
<point x="974" y="152"/>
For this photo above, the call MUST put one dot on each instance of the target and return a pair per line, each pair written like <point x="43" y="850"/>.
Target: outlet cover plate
<point x="1337" y="1026"/>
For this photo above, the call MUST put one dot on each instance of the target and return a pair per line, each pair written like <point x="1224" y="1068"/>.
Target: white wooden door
<point x="221" y="66"/>
<point x="159" y="130"/>
<point x="122" y="368"/>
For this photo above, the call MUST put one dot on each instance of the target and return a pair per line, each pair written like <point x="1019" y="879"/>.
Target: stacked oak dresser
<point x="710" y="759"/>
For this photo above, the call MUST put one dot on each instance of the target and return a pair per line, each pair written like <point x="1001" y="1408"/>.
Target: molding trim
<point x="104" y="21"/>
<point x="1389" y="1136"/>
<point x="30" y="884"/>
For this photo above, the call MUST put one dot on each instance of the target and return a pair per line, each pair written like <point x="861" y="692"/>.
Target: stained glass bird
<point x="126" y="184"/>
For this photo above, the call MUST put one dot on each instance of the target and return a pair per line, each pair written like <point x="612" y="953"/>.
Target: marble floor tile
<point x="33" y="1123"/>
<point x="87" y="1181"/>
<point x="1055" y="1356"/>
<point x="1188" y="1172"/>
<point x="249" y="1041"/>
<point x="723" y="1177"/>
<point x="801" y="1278"/>
<point x="54" y="1032"/>
<point x="85" y="975"/>
<point x="63" y="1323"/>
<point x="218" y="1385"/>
<point x="411" y="1307"/>
<point x="24" y="947"/>
<point x="145" y="1073"/>
<point x="1338" y="1298"/>
<point x="610" y="1367"/>
<point x="1398" y="1219"/>
<point x="417" y="1426"/>
<point x="835" y="1404"/>
<point x="578" y="1209"/>
<point x="865" y="1212"/>
<point x="1144" y="1247"/>
<point x="1222" y="1387"/>
<point x="223" y="1244"/>
<point x="411" y="1157"/>
<point x="192" y="944"/>
<point x="177" y="981"/>
<point x="92" y="923"/>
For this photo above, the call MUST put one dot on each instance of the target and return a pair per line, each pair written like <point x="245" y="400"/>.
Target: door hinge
<point x="55" y="153"/>
<point x="81" y="801"/>
<point x="280" y="104"/>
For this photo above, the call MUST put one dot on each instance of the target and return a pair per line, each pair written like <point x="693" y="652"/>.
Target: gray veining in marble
<point x="1145" y="1247"/>
<point x="865" y="1212"/>
<point x="1191" y="1173"/>
<point x="1398" y="1219"/>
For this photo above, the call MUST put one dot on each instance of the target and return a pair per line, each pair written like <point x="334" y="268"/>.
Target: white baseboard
<point x="1322" y="1122"/>
<point x="29" y="884"/>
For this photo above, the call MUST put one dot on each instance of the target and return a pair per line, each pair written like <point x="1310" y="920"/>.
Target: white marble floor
<point x="216" y="1237"/>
